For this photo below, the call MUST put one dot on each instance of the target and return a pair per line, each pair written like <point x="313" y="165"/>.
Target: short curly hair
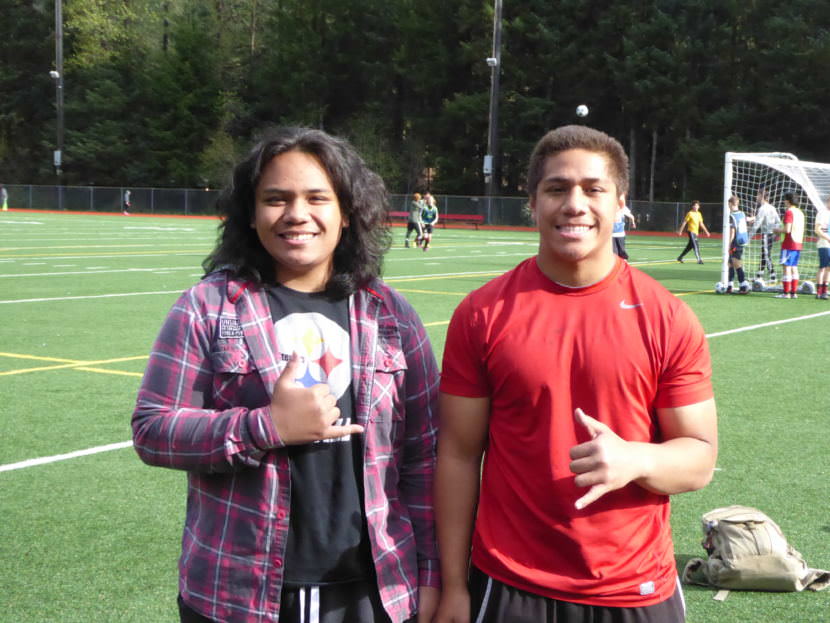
<point x="578" y="137"/>
<point x="363" y="199"/>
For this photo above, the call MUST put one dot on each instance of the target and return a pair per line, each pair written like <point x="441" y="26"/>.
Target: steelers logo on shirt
<point x="323" y="347"/>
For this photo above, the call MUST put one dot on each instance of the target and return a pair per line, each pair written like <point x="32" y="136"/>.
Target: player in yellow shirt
<point x="693" y="223"/>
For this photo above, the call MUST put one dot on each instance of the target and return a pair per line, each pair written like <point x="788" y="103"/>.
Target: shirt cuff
<point x="263" y="432"/>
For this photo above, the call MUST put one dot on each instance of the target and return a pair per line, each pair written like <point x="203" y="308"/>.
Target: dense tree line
<point x="168" y="92"/>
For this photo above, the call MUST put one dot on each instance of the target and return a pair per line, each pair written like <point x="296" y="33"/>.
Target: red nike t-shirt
<point x="618" y="349"/>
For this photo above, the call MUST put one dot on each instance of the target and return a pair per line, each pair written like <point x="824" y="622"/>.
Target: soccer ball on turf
<point x="758" y="285"/>
<point x="720" y="288"/>
<point x="582" y="110"/>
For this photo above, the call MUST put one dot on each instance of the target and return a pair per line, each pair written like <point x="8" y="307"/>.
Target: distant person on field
<point x="299" y="393"/>
<point x="693" y="223"/>
<point x="4" y="197"/>
<point x="413" y="221"/>
<point x="823" y="245"/>
<point x="429" y="218"/>
<point x="127" y="202"/>
<point x="768" y="223"/>
<point x="585" y="386"/>
<point x="793" y="229"/>
<point x="738" y="238"/>
<point x="618" y="235"/>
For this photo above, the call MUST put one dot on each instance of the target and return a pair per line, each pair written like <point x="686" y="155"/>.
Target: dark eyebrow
<point x="307" y="191"/>
<point x="586" y="180"/>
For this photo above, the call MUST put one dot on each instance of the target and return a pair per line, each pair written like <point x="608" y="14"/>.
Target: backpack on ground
<point x="748" y="551"/>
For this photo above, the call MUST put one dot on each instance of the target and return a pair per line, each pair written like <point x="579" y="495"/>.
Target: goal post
<point x="776" y="173"/>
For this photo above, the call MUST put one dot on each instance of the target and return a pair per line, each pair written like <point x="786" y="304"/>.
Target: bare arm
<point x="461" y="443"/>
<point x="683" y="461"/>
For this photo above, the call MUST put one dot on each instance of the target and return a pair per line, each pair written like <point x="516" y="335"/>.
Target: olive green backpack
<point x="748" y="551"/>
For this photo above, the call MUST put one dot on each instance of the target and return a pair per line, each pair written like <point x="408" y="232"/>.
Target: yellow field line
<point x="69" y="363"/>
<point x="36" y="357"/>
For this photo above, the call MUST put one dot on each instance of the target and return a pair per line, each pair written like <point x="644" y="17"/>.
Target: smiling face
<point x="298" y="220"/>
<point x="574" y="208"/>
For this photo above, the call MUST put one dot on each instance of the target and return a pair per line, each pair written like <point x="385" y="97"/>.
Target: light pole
<point x="57" y="76"/>
<point x="490" y="168"/>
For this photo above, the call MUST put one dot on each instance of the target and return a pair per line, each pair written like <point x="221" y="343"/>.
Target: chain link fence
<point x="661" y="216"/>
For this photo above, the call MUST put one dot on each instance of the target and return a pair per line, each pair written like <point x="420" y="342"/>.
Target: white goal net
<point x="751" y="177"/>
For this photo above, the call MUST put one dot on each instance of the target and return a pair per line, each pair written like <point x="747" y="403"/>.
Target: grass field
<point x="95" y="537"/>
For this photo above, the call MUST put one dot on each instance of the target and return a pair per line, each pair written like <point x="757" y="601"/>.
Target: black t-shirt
<point x="327" y="538"/>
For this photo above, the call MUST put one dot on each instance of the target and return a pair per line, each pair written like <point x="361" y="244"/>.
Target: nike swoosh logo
<point x="624" y="305"/>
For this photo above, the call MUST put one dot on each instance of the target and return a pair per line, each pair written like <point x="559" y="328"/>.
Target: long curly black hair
<point x="361" y="193"/>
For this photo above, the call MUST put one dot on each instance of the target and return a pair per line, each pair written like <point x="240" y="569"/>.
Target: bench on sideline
<point x="472" y="219"/>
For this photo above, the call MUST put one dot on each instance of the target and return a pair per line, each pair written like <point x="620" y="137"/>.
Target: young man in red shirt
<point x="589" y="386"/>
<point x="793" y="228"/>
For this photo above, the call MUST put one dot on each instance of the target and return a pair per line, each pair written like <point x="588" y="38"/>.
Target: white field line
<point x="93" y="271"/>
<point x="119" y="256"/>
<point x="92" y="296"/>
<point x="126" y="444"/>
<point x="766" y="324"/>
<point x="63" y="457"/>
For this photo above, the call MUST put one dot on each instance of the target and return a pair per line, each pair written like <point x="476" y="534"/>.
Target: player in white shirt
<point x="618" y="233"/>
<point x="767" y="221"/>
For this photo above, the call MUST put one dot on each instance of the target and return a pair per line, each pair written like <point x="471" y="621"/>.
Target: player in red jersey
<point x="588" y="384"/>
<point x="793" y="229"/>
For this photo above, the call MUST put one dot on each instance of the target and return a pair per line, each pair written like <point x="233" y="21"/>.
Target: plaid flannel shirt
<point x="203" y="407"/>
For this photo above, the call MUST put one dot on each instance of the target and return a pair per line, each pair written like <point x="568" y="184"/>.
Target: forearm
<point x="674" y="466"/>
<point x="456" y="497"/>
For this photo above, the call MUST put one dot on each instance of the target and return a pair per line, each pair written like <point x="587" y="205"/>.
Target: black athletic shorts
<point x="502" y="603"/>
<point x="736" y="251"/>
<point x="351" y="602"/>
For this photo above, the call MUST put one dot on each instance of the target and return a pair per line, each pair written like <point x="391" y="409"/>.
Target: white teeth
<point x="298" y="236"/>
<point x="577" y="229"/>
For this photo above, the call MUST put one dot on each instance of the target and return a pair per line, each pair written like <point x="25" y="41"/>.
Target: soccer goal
<point x="753" y="176"/>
